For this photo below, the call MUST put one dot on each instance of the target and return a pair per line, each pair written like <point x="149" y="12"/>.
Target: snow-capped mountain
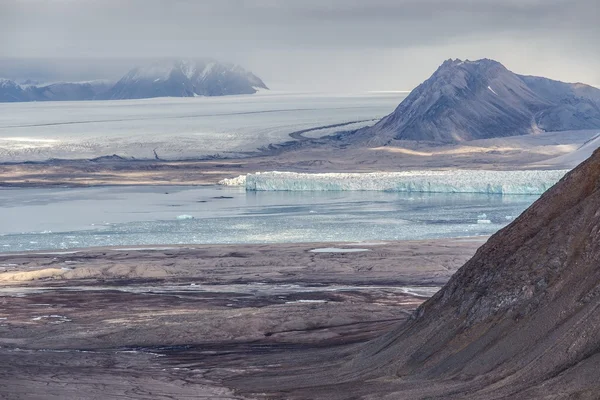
<point x="11" y="91"/>
<point x="466" y="100"/>
<point x="185" y="79"/>
<point x="161" y="79"/>
<point x="68" y="91"/>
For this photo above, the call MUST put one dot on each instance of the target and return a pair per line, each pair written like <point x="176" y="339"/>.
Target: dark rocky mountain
<point x="520" y="319"/>
<point x="185" y="79"/>
<point x="466" y="100"/>
<point x="163" y="79"/>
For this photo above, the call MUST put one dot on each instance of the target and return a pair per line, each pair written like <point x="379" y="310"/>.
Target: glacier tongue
<point x="456" y="181"/>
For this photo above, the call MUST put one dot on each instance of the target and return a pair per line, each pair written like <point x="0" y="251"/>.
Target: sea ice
<point x="457" y="181"/>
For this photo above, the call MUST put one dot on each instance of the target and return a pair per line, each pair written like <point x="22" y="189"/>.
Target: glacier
<point x="533" y="182"/>
<point x="178" y="128"/>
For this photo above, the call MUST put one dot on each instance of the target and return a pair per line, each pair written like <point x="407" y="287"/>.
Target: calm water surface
<point x="63" y="218"/>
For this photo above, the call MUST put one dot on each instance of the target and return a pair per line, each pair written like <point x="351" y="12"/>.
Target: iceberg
<point x="534" y="182"/>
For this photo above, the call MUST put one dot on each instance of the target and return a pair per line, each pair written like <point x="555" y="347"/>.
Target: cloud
<point x="346" y="43"/>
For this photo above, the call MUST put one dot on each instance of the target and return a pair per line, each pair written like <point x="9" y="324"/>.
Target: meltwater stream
<point x="61" y="218"/>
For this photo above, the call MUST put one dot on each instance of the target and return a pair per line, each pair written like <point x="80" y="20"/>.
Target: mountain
<point x="161" y="79"/>
<point x="185" y="79"/>
<point x="10" y="91"/>
<point x="520" y="319"/>
<point x="467" y="100"/>
<point x="68" y="91"/>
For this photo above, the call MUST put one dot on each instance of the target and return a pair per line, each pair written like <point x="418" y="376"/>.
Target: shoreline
<point x="200" y="246"/>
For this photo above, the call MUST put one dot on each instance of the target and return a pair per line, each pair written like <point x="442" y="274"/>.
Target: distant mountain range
<point x="467" y="100"/>
<point x="175" y="78"/>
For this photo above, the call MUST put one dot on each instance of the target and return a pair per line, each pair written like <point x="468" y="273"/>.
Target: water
<point x="57" y="218"/>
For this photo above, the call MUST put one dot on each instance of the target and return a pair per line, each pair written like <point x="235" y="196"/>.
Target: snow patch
<point x="305" y="301"/>
<point x="337" y="250"/>
<point x="54" y="319"/>
<point x="207" y="69"/>
<point x="144" y="248"/>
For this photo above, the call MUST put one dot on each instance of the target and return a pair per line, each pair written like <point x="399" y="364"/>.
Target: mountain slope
<point x="185" y="79"/>
<point x="67" y="91"/>
<point x="467" y="100"/>
<point x="11" y="92"/>
<point x="522" y="315"/>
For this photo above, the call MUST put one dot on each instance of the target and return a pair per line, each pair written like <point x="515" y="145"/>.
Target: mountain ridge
<point x="166" y="78"/>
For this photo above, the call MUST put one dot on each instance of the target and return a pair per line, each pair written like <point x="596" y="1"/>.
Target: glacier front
<point x="455" y="181"/>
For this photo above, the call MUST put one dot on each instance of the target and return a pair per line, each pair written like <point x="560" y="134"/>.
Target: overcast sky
<point x="325" y="45"/>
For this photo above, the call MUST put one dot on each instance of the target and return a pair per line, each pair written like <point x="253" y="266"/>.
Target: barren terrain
<point x="180" y="322"/>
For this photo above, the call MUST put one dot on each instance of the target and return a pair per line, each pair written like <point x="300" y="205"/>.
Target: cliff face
<point x="522" y="316"/>
<point x="467" y="100"/>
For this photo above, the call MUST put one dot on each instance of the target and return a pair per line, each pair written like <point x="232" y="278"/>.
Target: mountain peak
<point x="467" y="100"/>
<point x="163" y="69"/>
<point x="484" y="66"/>
<point x="185" y="78"/>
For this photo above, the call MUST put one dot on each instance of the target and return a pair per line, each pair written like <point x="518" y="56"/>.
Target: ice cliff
<point x="457" y="181"/>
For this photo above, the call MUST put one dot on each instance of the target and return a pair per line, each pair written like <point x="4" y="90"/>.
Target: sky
<point x="304" y="45"/>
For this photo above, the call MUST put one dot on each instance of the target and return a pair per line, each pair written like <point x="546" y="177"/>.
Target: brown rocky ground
<point x="177" y="322"/>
